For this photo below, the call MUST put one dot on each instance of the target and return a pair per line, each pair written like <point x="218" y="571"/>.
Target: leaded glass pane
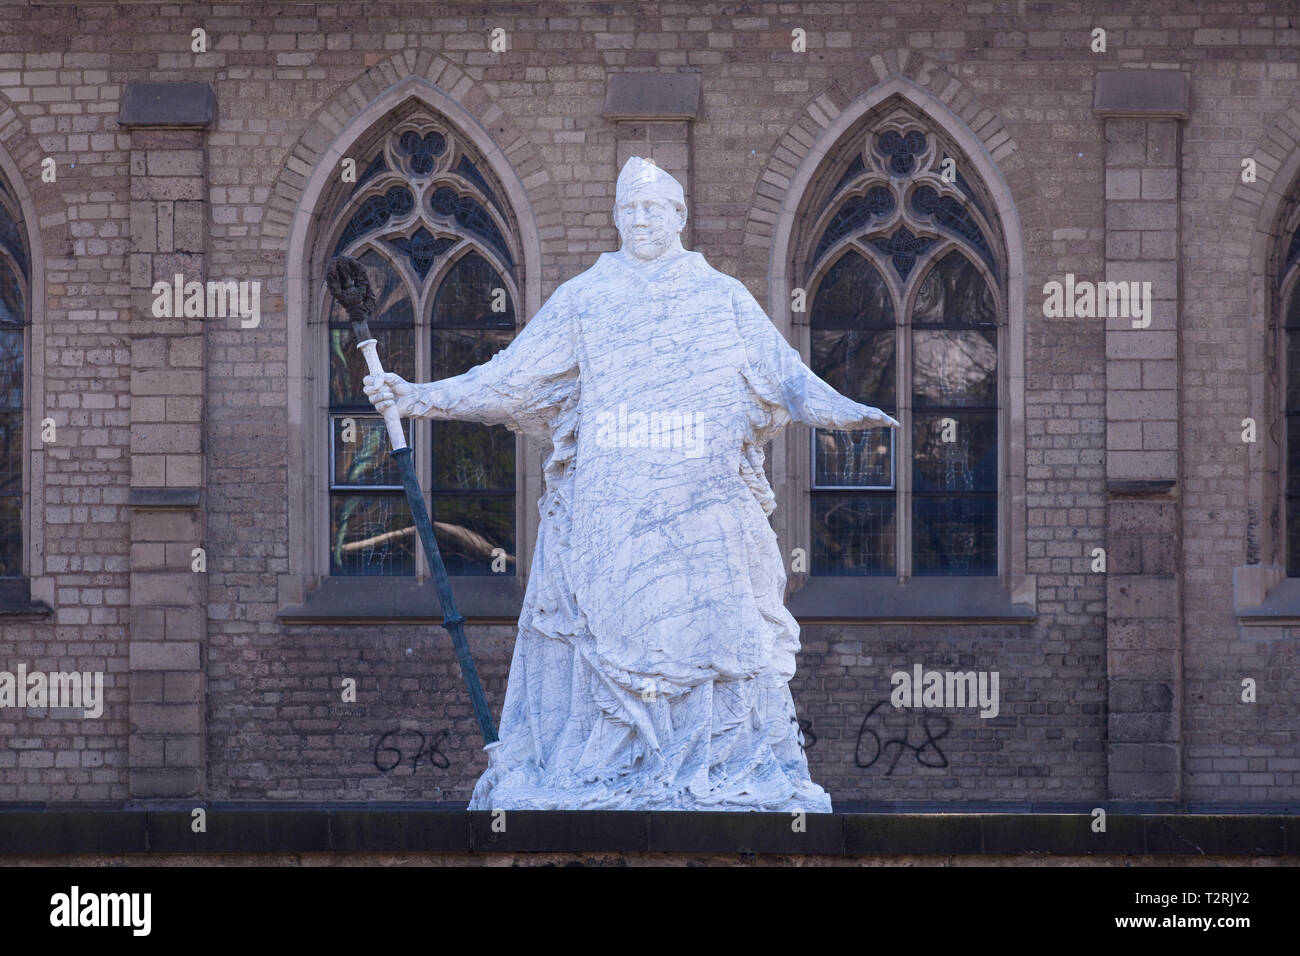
<point x="11" y="536"/>
<point x="954" y="293"/>
<point x="859" y="364"/>
<point x="469" y="529"/>
<point x="364" y="460"/>
<point x="954" y="368"/>
<point x="853" y="535"/>
<point x="1293" y="367"/>
<point x="11" y="452"/>
<point x="458" y="350"/>
<point x="860" y="459"/>
<point x="11" y="368"/>
<point x="852" y="295"/>
<point x="471" y="457"/>
<point x="1292" y="536"/>
<point x="954" y="536"/>
<point x="371" y="534"/>
<point x="1293" y="308"/>
<point x="955" y="451"/>
<point x="469" y="293"/>
<point x="1293" y="453"/>
<point x="11" y="293"/>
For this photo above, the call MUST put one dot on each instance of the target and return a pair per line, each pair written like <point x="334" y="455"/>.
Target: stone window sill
<point x="1265" y="596"/>
<point x="371" y="600"/>
<point x="884" y="600"/>
<point x="16" y="603"/>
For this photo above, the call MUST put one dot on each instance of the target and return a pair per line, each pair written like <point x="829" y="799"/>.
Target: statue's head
<point x="649" y="209"/>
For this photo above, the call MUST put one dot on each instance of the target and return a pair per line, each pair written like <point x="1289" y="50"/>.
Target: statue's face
<point x="647" y="224"/>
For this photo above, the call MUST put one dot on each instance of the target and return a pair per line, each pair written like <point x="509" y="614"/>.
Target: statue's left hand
<point x="875" y="418"/>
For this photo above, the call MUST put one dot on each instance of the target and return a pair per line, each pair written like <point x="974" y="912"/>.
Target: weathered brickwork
<point x="1125" y="684"/>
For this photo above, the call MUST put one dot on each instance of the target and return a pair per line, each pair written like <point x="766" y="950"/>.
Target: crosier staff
<point x="347" y="282"/>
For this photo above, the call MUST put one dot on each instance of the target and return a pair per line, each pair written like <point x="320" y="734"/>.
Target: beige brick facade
<point x="178" y="433"/>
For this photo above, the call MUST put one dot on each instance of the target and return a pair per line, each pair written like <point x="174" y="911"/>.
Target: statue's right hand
<point x="389" y="390"/>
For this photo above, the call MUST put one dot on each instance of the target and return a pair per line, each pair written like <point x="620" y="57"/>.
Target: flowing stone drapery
<point x="654" y="654"/>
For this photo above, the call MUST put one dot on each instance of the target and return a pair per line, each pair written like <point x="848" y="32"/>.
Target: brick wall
<point x="273" y="722"/>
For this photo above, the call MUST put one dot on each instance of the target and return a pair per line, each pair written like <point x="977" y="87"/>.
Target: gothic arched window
<point x="440" y="251"/>
<point x="903" y="269"/>
<point x="13" y="327"/>
<point x="1290" y="299"/>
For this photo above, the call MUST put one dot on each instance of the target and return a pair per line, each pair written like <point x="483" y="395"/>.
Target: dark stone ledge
<point x="33" y="829"/>
<point x="1155" y="94"/>
<point x="168" y="104"/>
<point x="163" y="498"/>
<point x="16" y="602"/>
<point x="482" y="599"/>
<point x="964" y="600"/>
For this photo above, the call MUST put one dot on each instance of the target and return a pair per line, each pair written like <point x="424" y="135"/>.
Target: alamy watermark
<point x="76" y="909"/>
<point x="653" y="429"/>
<point x="56" y="689"/>
<point x="953" y="689"/>
<point x="1098" y="300"/>
<point x="211" y="300"/>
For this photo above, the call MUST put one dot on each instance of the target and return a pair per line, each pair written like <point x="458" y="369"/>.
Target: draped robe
<point x="654" y="653"/>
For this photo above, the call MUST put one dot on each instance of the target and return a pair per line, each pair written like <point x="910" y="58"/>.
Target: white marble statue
<point x="652" y="665"/>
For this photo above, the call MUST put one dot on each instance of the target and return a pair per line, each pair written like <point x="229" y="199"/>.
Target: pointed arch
<point x="797" y="168"/>
<point x="1255" y="238"/>
<point x="292" y="225"/>
<point x="12" y="136"/>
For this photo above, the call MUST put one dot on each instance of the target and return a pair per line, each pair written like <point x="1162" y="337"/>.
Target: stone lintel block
<point x="652" y="96"/>
<point x="1142" y="93"/>
<point x="164" y="499"/>
<point x="168" y="104"/>
<point x="168" y="187"/>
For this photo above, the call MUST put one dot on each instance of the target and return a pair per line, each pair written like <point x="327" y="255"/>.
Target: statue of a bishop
<point x="654" y="654"/>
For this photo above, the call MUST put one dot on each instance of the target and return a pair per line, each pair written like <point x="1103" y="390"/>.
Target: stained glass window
<point x="13" y="325"/>
<point x="1291" y="331"/>
<point x="440" y="256"/>
<point x="904" y="320"/>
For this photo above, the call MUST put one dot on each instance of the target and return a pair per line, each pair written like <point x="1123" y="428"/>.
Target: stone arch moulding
<point x="789" y="173"/>
<point x="39" y="212"/>
<point x="289" y="227"/>
<point x="1256" y="211"/>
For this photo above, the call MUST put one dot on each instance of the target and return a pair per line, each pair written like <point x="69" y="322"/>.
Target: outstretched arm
<point x="780" y="377"/>
<point x="517" y="387"/>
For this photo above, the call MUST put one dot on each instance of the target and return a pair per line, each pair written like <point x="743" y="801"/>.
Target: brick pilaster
<point x="653" y="116"/>
<point x="169" y="223"/>
<point x="1142" y="112"/>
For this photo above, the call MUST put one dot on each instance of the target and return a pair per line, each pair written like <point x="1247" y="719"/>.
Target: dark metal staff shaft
<point x="348" y="284"/>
